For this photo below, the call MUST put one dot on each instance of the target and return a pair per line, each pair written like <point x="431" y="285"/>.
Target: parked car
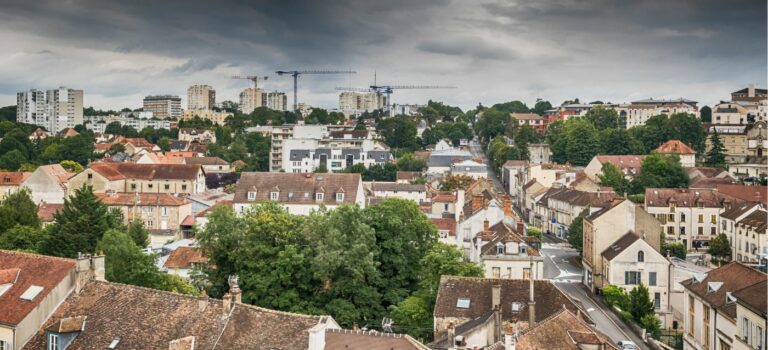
<point x="627" y="345"/>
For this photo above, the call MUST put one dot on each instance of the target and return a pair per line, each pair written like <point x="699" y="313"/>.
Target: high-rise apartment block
<point x="163" y="106"/>
<point x="250" y="99"/>
<point x="201" y="97"/>
<point x="275" y="100"/>
<point x="357" y="101"/>
<point x="54" y="110"/>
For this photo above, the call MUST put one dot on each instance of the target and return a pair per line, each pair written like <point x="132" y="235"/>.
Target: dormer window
<point x="274" y="195"/>
<point x="499" y="249"/>
<point x="53" y="342"/>
<point x="319" y="196"/>
<point x="339" y="197"/>
<point x="641" y="256"/>
<point x="251" y="196"/>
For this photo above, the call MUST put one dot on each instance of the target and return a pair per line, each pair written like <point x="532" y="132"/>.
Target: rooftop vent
<point x="113" y="344"/>
<point x="31" y="293"/>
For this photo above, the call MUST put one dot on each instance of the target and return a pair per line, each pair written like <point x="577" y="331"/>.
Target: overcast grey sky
<point x="492" y="50"/>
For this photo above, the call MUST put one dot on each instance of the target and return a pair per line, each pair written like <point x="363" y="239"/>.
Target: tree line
<point x="358" y="265"/>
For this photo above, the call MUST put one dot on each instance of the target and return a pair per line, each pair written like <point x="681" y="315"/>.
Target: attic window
<point x="319" y="196"/>
<point x="340" y="197"/>
<point x="251" y="196"/>
<point x="31" y="293"/>
<point x="462" y="303"/>
<point x="273" y="195"/>
<point x="713" y="287"/>
<point x="4" y="288"/>
<point x="729" y="298"/>
<point x="499" y="249"/>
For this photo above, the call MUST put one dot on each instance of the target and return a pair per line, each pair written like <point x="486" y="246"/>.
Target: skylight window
<point x="462" y="303"/>
<point x="5" y="287"/>
<point x="31" y="293"/>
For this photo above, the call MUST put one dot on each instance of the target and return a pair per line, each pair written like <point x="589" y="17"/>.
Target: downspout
<point x="714" y="332"/>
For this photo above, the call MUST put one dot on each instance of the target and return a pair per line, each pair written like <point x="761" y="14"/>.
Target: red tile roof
<point x="526" y="116"/>
<point x="732" y="277"/>
<point x="119" y="171"/>
<point x="46" y="211"/>
<point x="184" y="257"/>
<point x="750" y="194"/>
<point x="32" y="270"/>
<point x="12" y="178"/>
<point x="336" y="339"/>
<point x="630" y="162"/>
<point x="297" y="188"/>
<point x="141" y="199"/>
<point x="445" y="224"/>
<point x="564" y="330"/>
<point x="676" y="147"/>
<point x="444" y="197"/>
<point x="138" y="142"/>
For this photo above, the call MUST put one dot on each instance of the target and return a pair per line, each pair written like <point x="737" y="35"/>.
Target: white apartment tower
<point x="55" y="110"/>
<point x="201" y="97"/>
<point x="250" y="99"/>
<point x="275" y="100"/>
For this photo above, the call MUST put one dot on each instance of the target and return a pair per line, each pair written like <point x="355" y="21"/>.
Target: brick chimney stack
<point x="234" y="289"/>
<point x="508" y="206"/>
<point x="477" y="202"/>
<point x="486" y="225"/>
<point x="531" y="299"/>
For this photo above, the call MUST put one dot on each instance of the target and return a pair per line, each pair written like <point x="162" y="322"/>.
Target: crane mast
<point x="295" y="74"/>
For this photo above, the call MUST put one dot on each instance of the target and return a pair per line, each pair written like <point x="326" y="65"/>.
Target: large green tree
<point x="660" y="171"/>
<point x="582" y="142"/>
<point x="603" y="118"/>
<point x="404" y="235"/>
<point x="640" y="303"/>
<point x="720" y="248"/>
<point x="79" y="225"/>
<point x="576" y="231"/>
<point x="18" y="208"/>
<point x="613" y="177"/>
<point x="715" y="157"/>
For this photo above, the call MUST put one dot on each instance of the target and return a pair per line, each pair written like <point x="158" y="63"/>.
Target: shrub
<point x="616" y="296"/>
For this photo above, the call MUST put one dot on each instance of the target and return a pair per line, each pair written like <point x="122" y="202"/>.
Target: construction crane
<point x="253" y="78"/>
<point x="295" y="74"/>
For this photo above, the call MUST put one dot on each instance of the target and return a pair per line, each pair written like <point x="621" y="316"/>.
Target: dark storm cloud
<point x="494" y="50"/>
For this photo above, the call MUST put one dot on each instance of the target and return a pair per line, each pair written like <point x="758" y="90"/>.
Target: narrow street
<point x="559" y="267"/>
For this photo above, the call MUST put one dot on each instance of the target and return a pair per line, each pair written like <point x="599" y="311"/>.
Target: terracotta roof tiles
<point x="141" y="199"/>
<point x="297" y="188"/>
<point x="184" y="258"/>
<point x="675" y="147"/>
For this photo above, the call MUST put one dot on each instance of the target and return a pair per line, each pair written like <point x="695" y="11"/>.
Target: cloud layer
<point x="612" y="50"/>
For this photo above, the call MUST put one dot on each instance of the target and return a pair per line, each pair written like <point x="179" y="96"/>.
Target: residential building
<point x="563" y="206"/>
<point x="712" y="321"/>
<point x="39" y="134"/>
<point x="747" y="194"/>
<point x="250" y="99"/>
<point x="201" y="97"/>
<point x="197" y="135"/>
<point x="161" y="213"/>
<point x="465" y="302"/>
<point x="11" y="182"/>
<point x="514" y="177"/>
<point x="605" y="226"/>
<point x="757" y="143"/>
<point x="319" y="146"/>
<point x="565" y="330"/>
<point x="211" y="165"/>
<point x="440" y="161"/>
<point x="134" y="146"/>
<point x="506" y="253"/>
<point x="216" y="117"/>
<point x="142" y="178"/>
<point x="357" y="102"/>
<point x="446" y="203"/>
<point x="749" y="94"/>
<point x="163" y="106"/>
<point x="471" y="168"/>
<point x="751" y="317"/>
<point x="734" y="139"/>
<point x="48" y="183"/>
<point x="275" y="100"/>
<point x="637" y="113"/>
<point x="539" y="153"/>
<point x="631" y="261"/>
<point x="47" y="212"/>
<point x="745" y="227"/>
<point x="32" y="287"/>
<point x="628" y="164"/>
<point x="31" y="108"/>
<point x="136" y="120"/>
<point x="286" y="138"/>
<point x="154" y="319"/>
<point x="687" y="154"/>
<point x="184" y="260"/>
<point x="300" y="194"/>
<point x="407" y="176"/>
<point x="682" y="270"/>
<point x="689" y="216"/>
<point x="57" y="109"/>
<point x="533" y="120"/>
<point x="377" y="189"/>
<point x="730" y="113"/>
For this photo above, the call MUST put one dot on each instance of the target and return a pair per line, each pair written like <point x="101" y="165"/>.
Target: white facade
<point x="470" y="168"/>
<point x="250" y="99"/>
<point x="99" y="123"/>
<point x="637" y="114"/>
<point x="350" y="101"/>
<point x="416" y="193"/>
<point x="275" y="100"/>
<point x="201" y="97"/>
<point x="61" y="108"/>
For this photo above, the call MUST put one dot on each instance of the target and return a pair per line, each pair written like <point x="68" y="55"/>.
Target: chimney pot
<point x="486" y="225"/>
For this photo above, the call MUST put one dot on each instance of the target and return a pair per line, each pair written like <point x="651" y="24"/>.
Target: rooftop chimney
<point x="477" y="202"/>
<point x="234" y="289"/>
<point x="486" y="225"/>
<point x="508" y="206"/>
<point x="531" y="301"/>
<point x="495" y="293"/>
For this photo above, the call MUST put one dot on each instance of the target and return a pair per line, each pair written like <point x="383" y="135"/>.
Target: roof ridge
<point x="549" y="318"/>
<point x="36" y="255"/>
<point x="280" y="312"/>
<point x="158" y="291"/>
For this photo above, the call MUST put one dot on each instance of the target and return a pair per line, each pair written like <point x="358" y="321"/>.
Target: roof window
<point x="31" y="293"/>
<point x="462" y="303"/>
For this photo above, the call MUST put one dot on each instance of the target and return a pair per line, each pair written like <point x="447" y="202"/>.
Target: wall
<point x="44" y="188"/>
<point x="35" y="319"/>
